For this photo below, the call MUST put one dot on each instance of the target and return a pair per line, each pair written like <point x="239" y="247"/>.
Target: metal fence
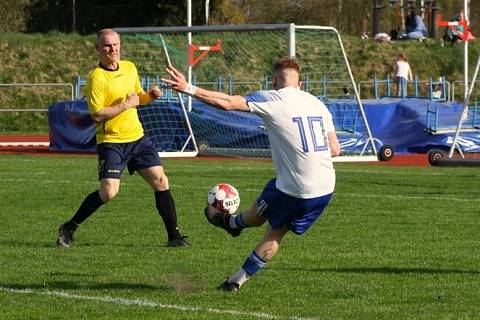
<point x="440" y="90"/>
<point x="23" y="100"/>
<point x="458" y="88"/>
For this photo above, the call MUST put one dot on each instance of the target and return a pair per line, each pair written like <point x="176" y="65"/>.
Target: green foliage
<point x="88" y="17"/>
<point x="395" y="243"/>
<point x="350" y="17"/>
<point x="12" y="17"/>
<point x="57" y="57"/>
<point x="22" y="123"/>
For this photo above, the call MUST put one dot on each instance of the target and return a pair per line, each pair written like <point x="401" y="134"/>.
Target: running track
<point x="21" y="144"/>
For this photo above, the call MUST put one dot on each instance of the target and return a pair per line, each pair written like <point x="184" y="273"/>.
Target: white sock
<point x="240" y="277"/>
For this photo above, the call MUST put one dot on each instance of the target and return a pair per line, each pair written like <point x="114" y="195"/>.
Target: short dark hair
<point x="286" y="63"/>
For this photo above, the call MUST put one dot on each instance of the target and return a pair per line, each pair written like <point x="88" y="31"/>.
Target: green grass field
<point x="395" y="243"/>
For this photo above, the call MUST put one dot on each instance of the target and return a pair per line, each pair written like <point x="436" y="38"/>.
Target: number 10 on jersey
<point x="315" y="129"/>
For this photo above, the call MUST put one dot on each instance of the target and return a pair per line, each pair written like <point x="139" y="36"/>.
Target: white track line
<point x="146" y="303"/>
<point x="25" y="144"/>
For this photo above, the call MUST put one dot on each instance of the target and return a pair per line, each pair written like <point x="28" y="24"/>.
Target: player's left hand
<point x="177" y="81"/>
<point x="155" y="92"/>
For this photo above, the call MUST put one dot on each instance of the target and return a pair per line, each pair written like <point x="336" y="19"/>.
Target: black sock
<point x="166" y="209"/>
<point x="91" y="203"/>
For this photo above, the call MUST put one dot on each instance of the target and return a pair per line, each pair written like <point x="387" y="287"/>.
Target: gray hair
<point x="104" y="32"/>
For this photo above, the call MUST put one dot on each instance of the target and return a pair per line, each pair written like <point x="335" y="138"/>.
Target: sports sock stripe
<point x="253" y="264"/>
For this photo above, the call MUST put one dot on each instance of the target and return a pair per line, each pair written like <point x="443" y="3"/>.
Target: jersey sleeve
<point x="95" y="92"/>
<point x="138" y="86"/>
<point x="260" y="102"/>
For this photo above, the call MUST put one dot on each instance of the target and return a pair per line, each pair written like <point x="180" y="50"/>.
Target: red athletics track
<point x="20" y="145"/>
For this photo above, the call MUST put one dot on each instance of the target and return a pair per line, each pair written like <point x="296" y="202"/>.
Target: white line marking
<point x="147" y="303"/>
<point x="399" y="197"/>
<point x="426" y="173"/>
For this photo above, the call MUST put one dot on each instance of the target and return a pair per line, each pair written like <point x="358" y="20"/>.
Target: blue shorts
<point x="282" y="210"/>
<point x="136" y="155"/>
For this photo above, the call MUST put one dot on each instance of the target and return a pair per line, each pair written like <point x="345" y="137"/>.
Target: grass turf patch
<point x="395" y="243"/>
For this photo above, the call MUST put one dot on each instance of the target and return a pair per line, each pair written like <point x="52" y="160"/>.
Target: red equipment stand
<point x="192" y="60"/>
<point x="450" y="24"/>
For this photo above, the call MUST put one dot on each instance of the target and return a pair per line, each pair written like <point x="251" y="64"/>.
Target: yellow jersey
<point x="106" y="88"/>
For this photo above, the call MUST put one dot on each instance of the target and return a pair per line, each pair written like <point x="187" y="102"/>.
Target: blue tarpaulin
<point x="71" y="127"/>
<point x="407" y="125"/>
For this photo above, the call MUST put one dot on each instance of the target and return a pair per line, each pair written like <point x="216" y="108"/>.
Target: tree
<point x="12" y="18"/>
<point x="350" y="17"/>
<point x="226" y="12"/>
<point x="92" y="15"/>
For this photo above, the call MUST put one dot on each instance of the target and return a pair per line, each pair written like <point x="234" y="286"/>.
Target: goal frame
<point x="290" y="29"/>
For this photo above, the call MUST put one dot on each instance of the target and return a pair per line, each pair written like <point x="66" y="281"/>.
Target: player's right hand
<point x="133" y="100"/>
<point x="155" y="92"/>
<point x="177" y="80"/>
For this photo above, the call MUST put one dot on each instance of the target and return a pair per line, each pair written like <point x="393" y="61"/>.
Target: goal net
<point x="238" y="60"/>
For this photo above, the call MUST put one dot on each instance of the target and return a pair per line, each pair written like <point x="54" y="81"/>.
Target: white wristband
<point x="191" y="89"/>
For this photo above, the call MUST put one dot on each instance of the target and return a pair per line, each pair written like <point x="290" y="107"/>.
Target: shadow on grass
<point x="70" y="285"/>
<point x="27" y="244"/>
<point x="52" y="244"/>
<point x="385" y="270"/>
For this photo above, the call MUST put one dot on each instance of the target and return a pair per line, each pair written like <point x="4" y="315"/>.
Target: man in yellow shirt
<point x="113" y="94"/>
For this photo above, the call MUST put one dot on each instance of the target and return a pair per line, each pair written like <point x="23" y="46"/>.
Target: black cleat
<point x="221" y="219"/>
<point x="65" y="234"/>
<point x="229" y="286"/>
<point x="179" y="242"/>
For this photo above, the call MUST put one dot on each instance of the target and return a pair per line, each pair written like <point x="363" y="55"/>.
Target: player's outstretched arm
<point x="217" y="99"/>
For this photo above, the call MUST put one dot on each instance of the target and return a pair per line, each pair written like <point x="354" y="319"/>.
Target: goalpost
<point x="237" y="59"/>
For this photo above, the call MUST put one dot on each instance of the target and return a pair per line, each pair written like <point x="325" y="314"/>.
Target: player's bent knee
<point x="107" y="194"/>
<point x="160" y="183"/>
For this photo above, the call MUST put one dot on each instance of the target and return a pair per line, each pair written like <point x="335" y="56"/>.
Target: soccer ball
<point x="224" y="197"/>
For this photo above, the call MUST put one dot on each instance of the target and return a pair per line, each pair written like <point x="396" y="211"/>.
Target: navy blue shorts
<point x="282" y="210"/>
<point x="136" y="155"/>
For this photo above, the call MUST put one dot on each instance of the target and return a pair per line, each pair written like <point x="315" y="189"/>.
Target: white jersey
<point x="402" y="69"/>
<point x="297" y="124"/>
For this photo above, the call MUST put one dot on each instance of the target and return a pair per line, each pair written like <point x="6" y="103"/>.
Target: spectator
<point x="346" y="94"/>
<point x="437" y="89"/>
<point x="452" y="34"/>
<point x="455" y="33"/>
<point x="403" y="74"/>
<point x="415" y="28"/>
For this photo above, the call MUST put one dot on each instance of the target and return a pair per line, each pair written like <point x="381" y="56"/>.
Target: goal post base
<point x="177" y="154"/>
<point x="355" y="159"/>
